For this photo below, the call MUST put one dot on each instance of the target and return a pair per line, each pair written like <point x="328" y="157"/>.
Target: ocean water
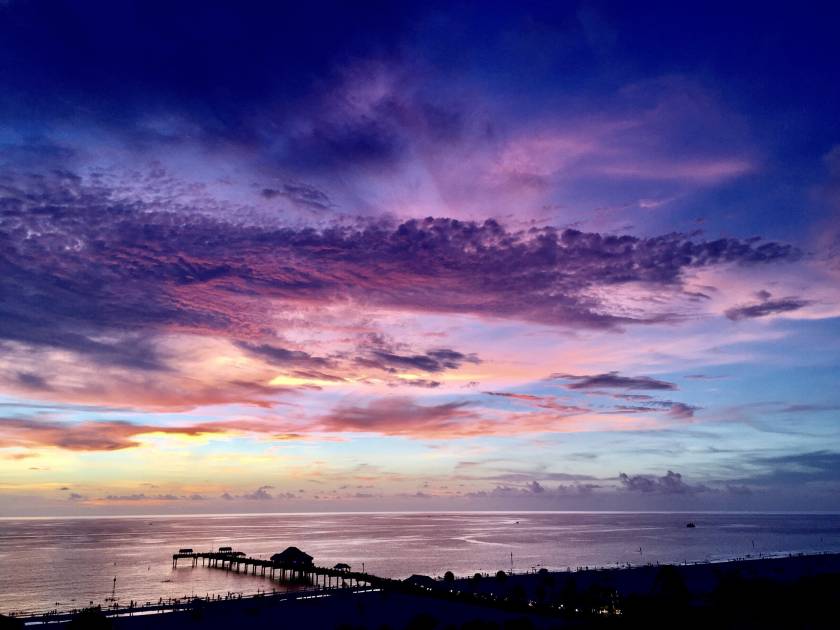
<point x="68" y="562"/>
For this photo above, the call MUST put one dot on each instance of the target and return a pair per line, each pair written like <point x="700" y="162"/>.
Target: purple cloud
<point x="116" y="273"/>
<point x="432" y="361"/>
<point x="766" y="307"/>
<point x="613" y="380"/>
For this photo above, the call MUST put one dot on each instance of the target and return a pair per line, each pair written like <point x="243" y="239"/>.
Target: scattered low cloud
<point x="670" y="483"/>
<point x="260" y="494"/>
<point x="142" y="497"/>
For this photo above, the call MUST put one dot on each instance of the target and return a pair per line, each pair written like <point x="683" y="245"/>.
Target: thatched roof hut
<point x="292" y="556"/>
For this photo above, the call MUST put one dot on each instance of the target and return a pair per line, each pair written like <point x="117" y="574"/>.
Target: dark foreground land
<point x="792" y="592"/>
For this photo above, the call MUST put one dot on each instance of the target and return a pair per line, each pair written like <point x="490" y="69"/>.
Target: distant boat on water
<point x="690" y="525"/>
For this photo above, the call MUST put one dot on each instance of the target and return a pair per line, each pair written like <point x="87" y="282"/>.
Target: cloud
<point x="516" y="475"/>
<point x="431" y="361"/>
<point x="401" y="416"/>
<point x="577" y="489"/>
<point x="535" y="490"/>
<point x="85" y="436"/>
<point x="681" y="410"/>
<point x="108" y="267"/>
<point x="675" y="410"/>
<point x="260" y="494"/>
<point x="669" y="483"/>
<point x="542" y="402"/>
<point x="30" y="380"/>
<point x="141" y="497"/>
<point x="75" y="496"/>
<point x="124" y="278"/>
<point x="302" y="195"/>
<point x="416" y="382"/>
<point x="613" y="380"/>
<point x="18" y="456"/>
<point x="282" y="356"/>
<point x="535" y="487"/>
<point x="766" y="307"/>
<point x="806" y="408"/>
<point x="796" y="469"/>
<point x="738" y="489"/>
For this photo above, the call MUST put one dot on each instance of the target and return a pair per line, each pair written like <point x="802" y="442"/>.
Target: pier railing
<point x="320" y="577"/>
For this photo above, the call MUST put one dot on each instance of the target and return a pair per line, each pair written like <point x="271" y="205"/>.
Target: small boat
<point x="690" y="525"/>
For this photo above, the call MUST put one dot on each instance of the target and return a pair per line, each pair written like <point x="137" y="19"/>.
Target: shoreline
<point x="626" y="580"/>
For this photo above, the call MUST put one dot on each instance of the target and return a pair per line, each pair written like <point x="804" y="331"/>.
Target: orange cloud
<point x="85" y="436"/>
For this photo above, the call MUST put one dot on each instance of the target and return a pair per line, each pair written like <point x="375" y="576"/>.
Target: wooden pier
<point x="288" y="572"/>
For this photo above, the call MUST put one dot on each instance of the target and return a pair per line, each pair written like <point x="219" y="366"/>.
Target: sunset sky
<point x="388" y="256"/>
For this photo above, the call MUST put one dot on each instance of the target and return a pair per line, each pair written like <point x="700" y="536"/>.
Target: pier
<point x="287" y="569"/>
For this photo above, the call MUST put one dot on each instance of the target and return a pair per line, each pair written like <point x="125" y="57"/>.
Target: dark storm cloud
<point x="613" y="380"/>
<point x="766" y="307"/>
<point x="101" y="278"/>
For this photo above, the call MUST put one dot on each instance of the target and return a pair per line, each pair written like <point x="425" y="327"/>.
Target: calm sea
<point x="66" y="562"/>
